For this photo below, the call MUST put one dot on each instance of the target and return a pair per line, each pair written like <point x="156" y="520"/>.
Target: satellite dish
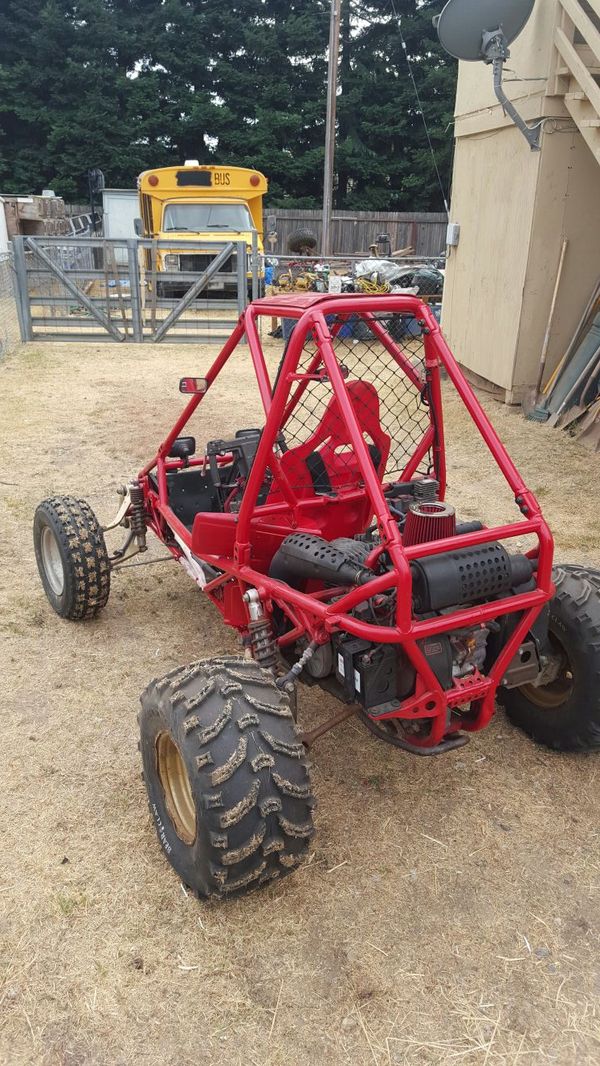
<point x="474" y="30"/>
<point x="463" y="24"/>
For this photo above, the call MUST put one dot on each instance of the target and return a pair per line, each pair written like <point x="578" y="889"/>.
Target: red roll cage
<point x="241" y="544"/>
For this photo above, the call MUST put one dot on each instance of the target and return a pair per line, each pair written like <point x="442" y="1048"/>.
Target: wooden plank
<point x="578" y="68"/>
<point x="584" y="24"/>
<point x="590" y="134"/>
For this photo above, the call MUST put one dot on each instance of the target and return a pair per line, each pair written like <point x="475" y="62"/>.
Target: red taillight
<point x="153" y="180"/>
<point x="254" y="180"/>
<point x="193" y="386"/>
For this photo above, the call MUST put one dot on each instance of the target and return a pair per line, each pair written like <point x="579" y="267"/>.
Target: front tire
<point x="226" y="776"/>
<point x="565" y="714"/>
<point x="71" y="556"/>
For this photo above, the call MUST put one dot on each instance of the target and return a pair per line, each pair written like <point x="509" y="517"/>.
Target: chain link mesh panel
<point x="92" y="289"/>
<point x="97" y="272"/>
<point x="10" y="334"/>
<point x="391" y="409"/>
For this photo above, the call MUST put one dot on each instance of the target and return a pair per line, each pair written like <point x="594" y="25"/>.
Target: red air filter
<point x="428" y="520"/>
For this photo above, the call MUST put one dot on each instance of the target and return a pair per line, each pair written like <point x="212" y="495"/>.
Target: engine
<point x="380" y="675"/>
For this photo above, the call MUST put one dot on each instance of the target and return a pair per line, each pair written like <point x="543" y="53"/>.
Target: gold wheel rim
<point x="176" y="787"/>
<point x="552" y="696"/>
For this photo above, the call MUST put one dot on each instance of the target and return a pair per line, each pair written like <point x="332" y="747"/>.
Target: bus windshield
<point x="199" y="217"/>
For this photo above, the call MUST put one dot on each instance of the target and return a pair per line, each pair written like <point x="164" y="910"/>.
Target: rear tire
<point x="565" y="714"/>
<point x="71" y="556"/>
<point x="226" y="775"/>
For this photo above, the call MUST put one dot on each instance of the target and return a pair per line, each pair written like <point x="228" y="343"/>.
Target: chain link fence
<point x="10" y="335"/>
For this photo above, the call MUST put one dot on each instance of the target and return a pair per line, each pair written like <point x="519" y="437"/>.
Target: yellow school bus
<point x="205" y="206"/>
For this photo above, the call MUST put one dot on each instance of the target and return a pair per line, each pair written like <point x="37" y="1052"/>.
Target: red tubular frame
<point x="309" y="612"/>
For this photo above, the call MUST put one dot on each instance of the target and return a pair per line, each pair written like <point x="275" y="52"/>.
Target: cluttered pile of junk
<point x="398" y="272"/>
<point x="570" y="399"/>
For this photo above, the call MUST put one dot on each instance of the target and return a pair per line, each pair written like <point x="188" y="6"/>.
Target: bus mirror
<point x="138" y="226"/>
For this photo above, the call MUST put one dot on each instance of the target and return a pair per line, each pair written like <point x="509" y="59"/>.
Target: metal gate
<point x="98" y="289"/>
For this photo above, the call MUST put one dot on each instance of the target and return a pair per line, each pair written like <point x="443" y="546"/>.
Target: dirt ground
<point x="450" y="909"/>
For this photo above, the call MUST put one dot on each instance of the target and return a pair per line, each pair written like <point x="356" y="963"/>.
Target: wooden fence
<point x="354" y="231"/>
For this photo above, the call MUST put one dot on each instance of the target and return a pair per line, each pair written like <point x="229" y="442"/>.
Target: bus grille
<point x="197" y="263"/>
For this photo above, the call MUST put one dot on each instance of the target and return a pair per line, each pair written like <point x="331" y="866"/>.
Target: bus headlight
<point x="171" y="262"/>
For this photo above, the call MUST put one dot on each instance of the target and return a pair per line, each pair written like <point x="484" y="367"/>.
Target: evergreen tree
<point x="129" y="84"/>
<point x="257" y="98"/>
<point x="69" y="95"/>
<point x="383" y="157"/>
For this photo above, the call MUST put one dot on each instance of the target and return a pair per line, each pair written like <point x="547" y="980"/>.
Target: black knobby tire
<point x="71" y="556"/>
<point x="565" y="714"/>
<point x="245" y="815"/>
<point x="301" y="239"/>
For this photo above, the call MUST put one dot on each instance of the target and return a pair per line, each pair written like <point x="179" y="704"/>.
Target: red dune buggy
<point x="324" y="538"/>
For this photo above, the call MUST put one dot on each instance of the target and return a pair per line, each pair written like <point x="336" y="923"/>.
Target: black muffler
<point x="305" y="557"/>
<point x="450" y="579"/>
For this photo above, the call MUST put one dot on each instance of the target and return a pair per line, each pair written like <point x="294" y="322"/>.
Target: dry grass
<point x="449" y="911"/>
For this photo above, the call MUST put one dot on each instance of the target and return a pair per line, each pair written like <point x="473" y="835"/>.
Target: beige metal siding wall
<point x="493" y="196"/>
<point x="567" y="205"/>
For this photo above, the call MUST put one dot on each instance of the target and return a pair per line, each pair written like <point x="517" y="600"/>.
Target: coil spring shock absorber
<point x="137" y="515"/>
<point x="264" y="645"/>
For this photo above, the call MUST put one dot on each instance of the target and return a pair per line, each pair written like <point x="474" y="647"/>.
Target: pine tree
<point x="128" y="84"/>
<point x="74" y="93"/>
<point x="258" y="101"/>
<point x="384" y="161"/>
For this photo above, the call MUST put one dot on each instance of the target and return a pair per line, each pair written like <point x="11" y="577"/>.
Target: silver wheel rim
<point x="53" y="565"/>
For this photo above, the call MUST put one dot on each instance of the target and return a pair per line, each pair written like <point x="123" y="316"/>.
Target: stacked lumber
<point x="570" y="400"/>
<point x="33" y="216"/>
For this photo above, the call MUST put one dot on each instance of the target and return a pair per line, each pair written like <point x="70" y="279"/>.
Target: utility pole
<point x="332" y="73"/>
